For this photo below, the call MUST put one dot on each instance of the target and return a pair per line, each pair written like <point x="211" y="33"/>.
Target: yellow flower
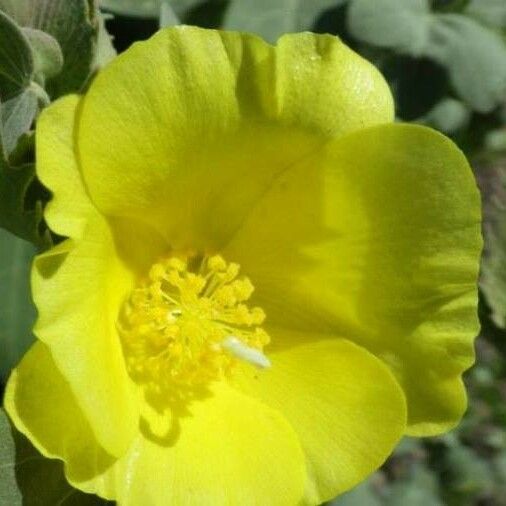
<point x="266" y="283"/>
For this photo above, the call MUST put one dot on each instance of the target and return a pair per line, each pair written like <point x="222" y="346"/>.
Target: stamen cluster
<point x="175" y="323"/>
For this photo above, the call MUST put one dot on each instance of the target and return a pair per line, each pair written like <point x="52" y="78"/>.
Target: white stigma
<point x="246" y="353"/>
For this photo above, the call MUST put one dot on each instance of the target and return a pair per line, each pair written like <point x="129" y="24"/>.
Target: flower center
<point x="187" y="324"/>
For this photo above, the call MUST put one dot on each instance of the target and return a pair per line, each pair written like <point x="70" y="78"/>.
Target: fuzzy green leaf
<point x="272" y="18"/>
<point x="140" y="8"/>
<point x="182" y="7"/>
<point x="167" y="15"/>
<point x="448" y="116"/>
<point x="16" y="117"/>
<point x="469" y="474"/>
<point x="473" y="55"/>
<point x="21" y="209"/>
<point x="361" y="495"/>
<point x="399" y="24"/>
<point x="21" y="195"/>
<point x="493" y="268"/>
<point x="495" y="140"/>
<point x="489" y="12"/>
<point x="148" y="8"/>
<point x="73" y="23"/>
<point x="420" y="489"/>
<point x="47" y="53"/>
<point x="16" y="62"/>
<point x="105" y="51"/>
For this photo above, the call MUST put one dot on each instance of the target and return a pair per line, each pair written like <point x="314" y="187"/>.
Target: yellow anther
<point x="225" y="296"/>
<point x="258" y="315"/>
<point x="194" y="283"/>
<point x="174" y="325"/>
<point x="243" y="289"/>
<point x="156" y="272"/>
<point x="155" y="289"/>
<point x="176" y="264"/>
<point x="174" y="278"/>
<point x="231" y="273"/>
<point x="216" y="263"/>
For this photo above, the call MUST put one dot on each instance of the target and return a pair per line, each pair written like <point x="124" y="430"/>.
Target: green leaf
<point x="500" y="466"/>
<point x="419" y="490"/>
<point x="400" y="24"/>
<point x="495" y="140"/>
<point x="408" y="446"/>
<point x="272" y="18"/>
<point x="16" y="62"/>
<point x="148" y="8"/>
<point x="182" y="7"/>
<point x="21" y="197"/>
<point x="361" y="495"/>
<point x="492" y="179"/>
<point x="140" y="8"/>
<point x="16" y="117"/>
<point x="29" y="479"/>
<point x="17" y="313"/>
<point x="167" y="15"/>
<point x="47" y="53"/>
<point x="56" y="47"/>
<point x="489" y="12"/>
<point x="105" y="51"/>
<point x="468" y="473"/>
<point x="448" y="116"/>
<point x="24" y="150"/>
<point x="73" y="24"/>
<point x="474" y="56"/>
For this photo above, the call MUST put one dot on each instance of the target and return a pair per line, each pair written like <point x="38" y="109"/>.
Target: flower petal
<point x="78" y="286"/>
<point x="78" y="289"/>
<point x="377" y="238"/>
<point x="344" y="404"/>
<point x="187" y="129"/>
<point x="227" y="449"/>
<point x="230" y="449"/>
<point x="41" y="405"/>
<point x="67" y="212"/>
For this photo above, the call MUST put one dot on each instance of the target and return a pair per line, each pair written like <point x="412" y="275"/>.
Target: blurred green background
<point x="445" y="61"/>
